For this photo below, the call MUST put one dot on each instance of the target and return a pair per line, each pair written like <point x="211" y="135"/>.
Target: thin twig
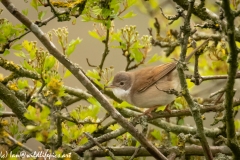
<point x="100" y="146"/>
<point x="196" y="72"/>
<point x="135" y="153"/>
<point x="106" y="50"/>
<point x="17" y="142"/>
<point x="89" y="64"/>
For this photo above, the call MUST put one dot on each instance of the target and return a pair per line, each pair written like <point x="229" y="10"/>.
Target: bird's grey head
<point x="122" y="80"/>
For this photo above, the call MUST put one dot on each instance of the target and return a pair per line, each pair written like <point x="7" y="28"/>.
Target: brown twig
<point x="100" y="146"/>
<point x="135" y="153"/>
<point x="106" y="50"/>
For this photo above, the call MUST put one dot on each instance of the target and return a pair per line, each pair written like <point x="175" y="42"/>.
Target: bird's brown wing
<point x="152" y="75"/>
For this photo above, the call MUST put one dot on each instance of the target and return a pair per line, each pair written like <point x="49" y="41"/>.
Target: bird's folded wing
<point x="153" y="75"/>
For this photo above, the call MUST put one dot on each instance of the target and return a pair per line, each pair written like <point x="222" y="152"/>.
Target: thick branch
<point x="12" y="102"/>
<point x="189" y="150"/>
<point x="229" y="90"/>
<point x="194" y="107"/>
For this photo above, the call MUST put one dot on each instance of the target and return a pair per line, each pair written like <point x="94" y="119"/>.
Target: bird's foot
<point x="168" y="109"/>
<point x="149" y="111"/>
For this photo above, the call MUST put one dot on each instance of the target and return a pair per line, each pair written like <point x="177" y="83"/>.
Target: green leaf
<point x="58" y="103"/>
<point x="106" y="13"/>
<point x="31" y="113"/>
<point x="124" y="104"/>
<point x="13" y="129"/>
<point x="96" y="10"/>
<point x="114" y="4"/>
<point x="161" y="108"/>
<point x="72" y="45"/>
<point x="83" y="141"/>
<point x="94" y="34"/>
<point x="116" y="36"/>
<point x="34" y="4"/>
<point x="25" y="12"/>
<point x="101" y="85"/>
<point x="6" y="52"/>
<point x="94" y="102"/>
<point x="156" y="134"/>
<point x="136" y="54"/>
<point x="129" y="15"/>
<point x="236" y="108"/>
<point x="66" y="136"/>
<point x="17" y="47"/>
<point x="27" y="66"/>
<point x="67" y="74"/>
<point x="131" y="2"/>
<point x="154" y="58"/>
<point x="45" y="112"/>
<point x="89" y="128"/>
<point x="22" y="84"/>
<point x="178" y="105"/>
<point x="85" y="18"/>
<point x="93" y="74"/>
<point x="20" y="54"/>
<point x="174" y="139"/>
<point x="39" y="137"/>
<point x="41" y="15"/>
<point x="49" y="62"/>
<point x="237" y="124"/>
<point x="30" y="48"/>
<point x="51" y="134"/>
<point x="114" y="127"/>
<point x="180" y="121"/>
<point x="107" y="24"/>
<point x="154" y="4"/>
<point x="95" y="108"/>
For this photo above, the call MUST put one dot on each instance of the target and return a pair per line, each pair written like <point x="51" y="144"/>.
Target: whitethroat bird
<point x="147" y="87"/>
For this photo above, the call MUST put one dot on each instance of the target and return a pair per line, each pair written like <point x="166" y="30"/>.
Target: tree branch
<point x="232" y="142"/>
<point x="194" y="107"/>
<point x="106" y="50"/>
<point x="16" y="105"/>
<point x="189" y="150"/>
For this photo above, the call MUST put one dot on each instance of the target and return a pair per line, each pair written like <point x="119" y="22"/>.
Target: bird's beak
<point x="110" y="86"/>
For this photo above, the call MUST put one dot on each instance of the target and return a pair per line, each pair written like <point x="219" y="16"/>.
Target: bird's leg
<point x="167" y="108"/>
<point x="149" y="111"/>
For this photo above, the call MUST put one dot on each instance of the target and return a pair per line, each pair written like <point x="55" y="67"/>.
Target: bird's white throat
<point x="121" y="93"/>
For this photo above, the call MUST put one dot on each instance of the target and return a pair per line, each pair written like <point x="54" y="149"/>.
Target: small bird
<point x="147" y="87"/>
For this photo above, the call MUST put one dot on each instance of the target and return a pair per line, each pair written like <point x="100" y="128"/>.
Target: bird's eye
<point x="121" y="83"/>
